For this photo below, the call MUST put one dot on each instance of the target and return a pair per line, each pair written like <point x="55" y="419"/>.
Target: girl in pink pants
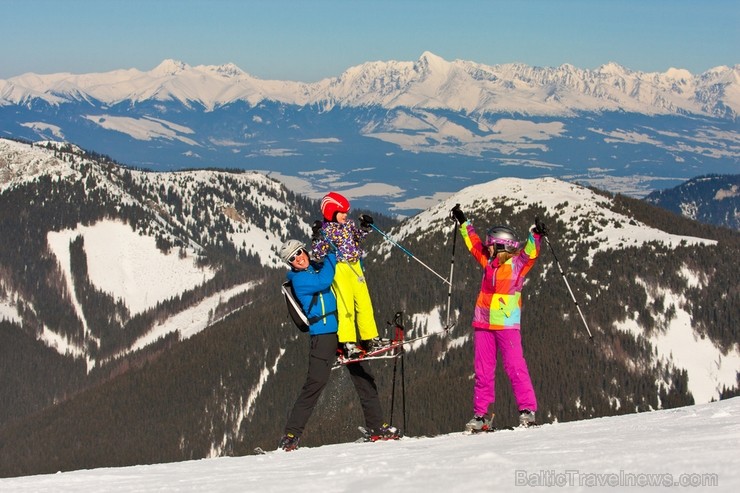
<point x="509" y="343"/>
<point x="497" y="316"/>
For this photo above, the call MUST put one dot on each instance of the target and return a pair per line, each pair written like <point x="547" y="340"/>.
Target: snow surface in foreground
<point x="696" y="447"/>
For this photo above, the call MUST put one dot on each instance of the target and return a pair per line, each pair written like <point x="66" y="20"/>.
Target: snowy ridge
<point x="128" y="266"/>
<point x="573" y="204"/>
<point x="692" y="447"/>
<point x="429" y="82"/>
<point x="20" y="163"/>
<point x="206" y="85"/>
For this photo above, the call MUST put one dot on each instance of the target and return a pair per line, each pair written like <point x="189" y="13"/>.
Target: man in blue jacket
<point x="312" y="286"/>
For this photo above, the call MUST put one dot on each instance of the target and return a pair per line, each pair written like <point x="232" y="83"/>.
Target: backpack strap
<point x="313" y="320"/>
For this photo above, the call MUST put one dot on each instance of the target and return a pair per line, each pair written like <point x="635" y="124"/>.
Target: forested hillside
<point x="228" y="388"/>
<point x="711" y="199"/>
<point x="49" y="188"/>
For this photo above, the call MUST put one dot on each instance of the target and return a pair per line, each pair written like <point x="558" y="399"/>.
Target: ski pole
<point x="409" y="253"/>
<point x="452" y="266"/>
<point x="399" y="330"/>
<point x="562" y="273"/>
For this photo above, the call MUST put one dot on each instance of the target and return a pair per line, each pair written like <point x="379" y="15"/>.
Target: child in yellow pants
<point x="354" y="306"/>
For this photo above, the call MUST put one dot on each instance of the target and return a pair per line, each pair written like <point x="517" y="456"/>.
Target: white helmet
<point x="289" y="248"/>
<point x="502" y="238"/>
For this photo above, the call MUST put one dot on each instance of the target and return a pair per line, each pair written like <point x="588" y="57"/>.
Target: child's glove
<point x="365" y="221"/>
<point x="458" y="214"/>
<point x="539" y="227"/>
<point x="316" y="230"/>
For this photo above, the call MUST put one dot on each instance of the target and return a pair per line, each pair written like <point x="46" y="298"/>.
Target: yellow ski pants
<point x="354" y="307"/>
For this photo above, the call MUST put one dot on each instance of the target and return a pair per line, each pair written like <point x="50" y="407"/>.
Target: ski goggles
<point x="502" y="243"/>
<point x="297" y="254"/>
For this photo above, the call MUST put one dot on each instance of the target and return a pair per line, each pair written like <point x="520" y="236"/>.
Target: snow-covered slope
<point x="207" y="85"/>
<point x="131" y="268"/>
<point x="20" y="163"/>
<point x="691" y="447"/>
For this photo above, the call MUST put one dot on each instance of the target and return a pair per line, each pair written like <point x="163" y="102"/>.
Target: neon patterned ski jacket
<point x="346" y="237"/>
<point x="499" y="303"/>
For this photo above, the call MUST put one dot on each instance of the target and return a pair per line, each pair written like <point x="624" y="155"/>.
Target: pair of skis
<point x="502" y="428"/>
<point x="366" y="436"/>
<point x="393" y="350"/>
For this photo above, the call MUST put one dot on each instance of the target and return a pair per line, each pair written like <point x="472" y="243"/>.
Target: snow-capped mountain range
<point x="428" y="83"/>
<point x="392" y="134"/>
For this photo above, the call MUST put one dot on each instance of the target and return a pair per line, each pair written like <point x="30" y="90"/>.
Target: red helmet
<point x="333" y="203"/>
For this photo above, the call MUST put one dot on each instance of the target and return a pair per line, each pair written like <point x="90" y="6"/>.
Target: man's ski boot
<point x="385" y="432"/>
<point x="479" y="424"/>
<point x="289" y="442"/>
<point x="526" y="418"/>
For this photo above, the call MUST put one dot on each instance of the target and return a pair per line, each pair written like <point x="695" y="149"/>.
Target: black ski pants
<point x="322" y="355"/>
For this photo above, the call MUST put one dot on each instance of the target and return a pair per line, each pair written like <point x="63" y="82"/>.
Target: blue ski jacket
<point x="312" y="287"/>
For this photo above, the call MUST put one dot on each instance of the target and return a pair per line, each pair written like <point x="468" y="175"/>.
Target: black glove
<point x="366" y="221"/>
<point x="316" y="230"/>
<point x="539" y="227"/>
<point x="458" y="214"/>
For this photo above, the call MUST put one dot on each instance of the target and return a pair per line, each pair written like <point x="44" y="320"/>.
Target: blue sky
<point x="310" y="40"/>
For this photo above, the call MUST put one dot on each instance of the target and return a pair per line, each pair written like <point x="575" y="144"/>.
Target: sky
<point x="310" y="40"/>
<point x="693" y="448"/>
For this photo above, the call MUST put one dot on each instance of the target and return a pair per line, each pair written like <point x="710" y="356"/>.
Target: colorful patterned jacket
<point x="499" y="303"/>
<point x="345" y="237"/>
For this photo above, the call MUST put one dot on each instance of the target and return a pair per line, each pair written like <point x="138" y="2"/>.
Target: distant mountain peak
<point x="430" y="59"/>
<point x="612" y="68"/>
<point x="226" y="70"/>
<point x="678" y="74"/>
<point x="169" y="67"/>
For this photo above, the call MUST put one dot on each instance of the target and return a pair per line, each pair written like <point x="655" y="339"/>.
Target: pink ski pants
<point x="509" y="343"/>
